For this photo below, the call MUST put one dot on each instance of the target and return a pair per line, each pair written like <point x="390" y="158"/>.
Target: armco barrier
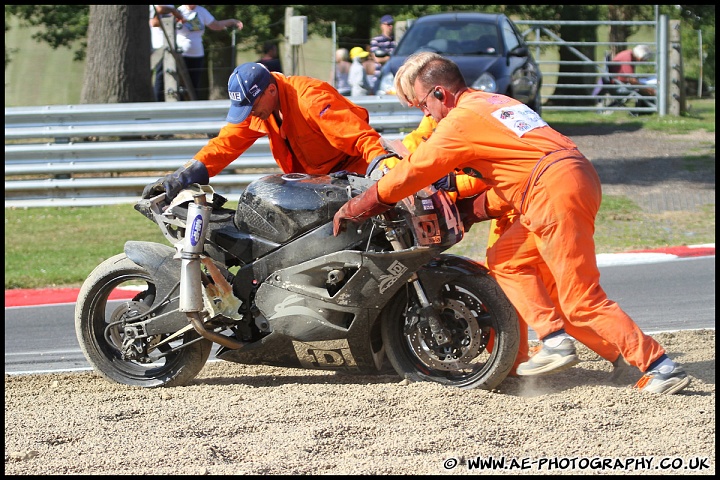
<point x="75" y="155"/>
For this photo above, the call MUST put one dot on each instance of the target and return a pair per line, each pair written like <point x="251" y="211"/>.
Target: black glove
<point x="473" y="210"/>
<point x="447" y="183"/>
<point x="192" y="172"/>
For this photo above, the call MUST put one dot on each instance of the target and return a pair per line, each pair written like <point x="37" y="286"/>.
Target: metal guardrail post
<point x="676" y="84"/>
<point x="662" y="65"/>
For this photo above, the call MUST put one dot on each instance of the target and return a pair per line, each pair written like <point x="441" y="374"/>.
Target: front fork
<point x="439" y="333"/>
<point x="191" y="294"/>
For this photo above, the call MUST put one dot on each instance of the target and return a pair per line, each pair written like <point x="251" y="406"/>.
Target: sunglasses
<point x="423" y="104"/>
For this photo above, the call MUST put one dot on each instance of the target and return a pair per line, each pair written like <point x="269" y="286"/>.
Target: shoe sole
<point x="563" y="364"/>
<point x="673" y="389"/>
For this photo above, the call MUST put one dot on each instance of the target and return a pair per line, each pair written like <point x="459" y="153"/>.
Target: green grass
<point x="700" y="115"/>
<point x="59" y="246"/>
<point x="55" y="246"/>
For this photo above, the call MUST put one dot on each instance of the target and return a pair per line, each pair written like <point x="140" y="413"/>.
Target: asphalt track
<point x="51" y="296"/>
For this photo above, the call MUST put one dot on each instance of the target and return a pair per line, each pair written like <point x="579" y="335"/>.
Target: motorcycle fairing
<point x="359" y="349"/>
<point x="434" y="216"/>
<point x="316" y="243"/>
<point x="370" y="278"/>
<point x="305" y="309"/>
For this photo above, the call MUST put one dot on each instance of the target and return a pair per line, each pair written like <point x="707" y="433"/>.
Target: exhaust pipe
<point x="191" y="297"/>
<point x="197" y="324"/>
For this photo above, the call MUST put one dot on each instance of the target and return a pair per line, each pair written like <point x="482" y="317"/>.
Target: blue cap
<point x="387" y="19"/>
<point x="247" y="82"/>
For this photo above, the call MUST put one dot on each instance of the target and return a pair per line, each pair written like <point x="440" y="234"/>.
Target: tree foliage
<point x="699" y="26"/>
<point x="62" y="25"/>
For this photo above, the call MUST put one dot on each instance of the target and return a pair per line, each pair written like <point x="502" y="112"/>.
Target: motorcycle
<point x="271" y="285"/>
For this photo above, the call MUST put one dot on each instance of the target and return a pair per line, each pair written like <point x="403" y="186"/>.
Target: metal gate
<point x="604" y="92"/>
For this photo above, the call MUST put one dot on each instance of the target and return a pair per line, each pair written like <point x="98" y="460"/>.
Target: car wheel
<point x="536" y="105"/>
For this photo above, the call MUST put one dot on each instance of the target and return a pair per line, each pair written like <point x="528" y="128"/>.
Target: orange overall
<point x="321" y="132"/>
<point x="538" y="172"/>
<point x="468" y="186"/>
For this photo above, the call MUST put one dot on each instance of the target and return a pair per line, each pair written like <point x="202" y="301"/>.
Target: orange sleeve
<point x="498" y="138"/>
<point x="233" y="141"/>
<point x="495" y="204"/>
<point x="438" y="156"/>
<point x="467" y="186"/>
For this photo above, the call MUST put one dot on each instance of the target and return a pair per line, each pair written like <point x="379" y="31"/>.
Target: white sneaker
<point x="657" y="381"/>
<point x="550" y="359"/>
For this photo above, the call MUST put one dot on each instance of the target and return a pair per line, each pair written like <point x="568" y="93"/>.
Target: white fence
<point x="75" y="155"/>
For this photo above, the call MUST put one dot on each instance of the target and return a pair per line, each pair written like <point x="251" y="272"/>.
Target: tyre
<point x="482" y="328"/>
<point x="99" y="326"/>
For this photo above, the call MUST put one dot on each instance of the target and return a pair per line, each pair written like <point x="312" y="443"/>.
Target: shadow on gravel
<point x="650" y="171"/>
<point x="572" y="129"/>
<point x="331" y="378"/>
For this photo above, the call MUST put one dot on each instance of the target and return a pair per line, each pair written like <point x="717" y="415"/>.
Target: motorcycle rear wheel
<point x="95" y="310"/>
<point x="483" y="327"/>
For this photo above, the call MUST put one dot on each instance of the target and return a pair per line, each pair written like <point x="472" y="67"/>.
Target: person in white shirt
<point x="190" y="38"/>
<point x="357" y="77"/>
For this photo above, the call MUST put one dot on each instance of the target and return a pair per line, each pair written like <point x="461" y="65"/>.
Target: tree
<point x="118" y="55"/>
<point x="698" y="30"/>
<point x="620" y="33"/>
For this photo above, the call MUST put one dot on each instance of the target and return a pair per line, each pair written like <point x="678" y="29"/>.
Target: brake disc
<point x="467" y="340"/>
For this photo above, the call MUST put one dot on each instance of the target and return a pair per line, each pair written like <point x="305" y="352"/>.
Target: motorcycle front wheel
<point x="100" y="313"/>
<point x="482" y="330"/>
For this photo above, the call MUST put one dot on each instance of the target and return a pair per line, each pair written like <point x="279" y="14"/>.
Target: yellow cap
<point x="358" y="52"/>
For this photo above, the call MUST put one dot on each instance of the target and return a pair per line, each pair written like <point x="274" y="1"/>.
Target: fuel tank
<point x="280" y="207"/>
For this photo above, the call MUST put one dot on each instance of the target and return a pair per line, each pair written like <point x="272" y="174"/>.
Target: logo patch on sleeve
<point x="519" y="118"/>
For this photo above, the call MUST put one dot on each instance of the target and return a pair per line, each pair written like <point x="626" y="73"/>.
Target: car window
<point x="510" y="35"/>
<point x="451" y="38"/>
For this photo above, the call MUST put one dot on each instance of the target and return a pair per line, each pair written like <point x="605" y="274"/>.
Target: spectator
<point x="270" y="57"/>
<point x="342" y="70"/>
<point x="383" y="45"/>
<point x="370" y="69"/>
<point x="190" y="39"/>
<point x="157" y="36"/>
<point x="542" y="175"/>
<point x="311" y="128"/>
<point x="357" y="76"/>
<point x="624" y="71"/>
